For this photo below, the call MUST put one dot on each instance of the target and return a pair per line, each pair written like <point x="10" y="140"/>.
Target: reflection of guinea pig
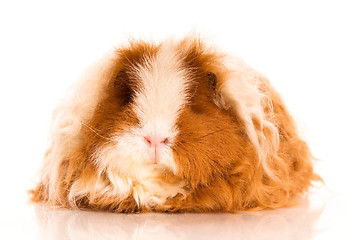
<point x="296" y="223"/>
<point x="175" y="127"/>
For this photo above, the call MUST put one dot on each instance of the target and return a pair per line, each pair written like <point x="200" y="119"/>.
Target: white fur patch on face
<point x="163" y="85"/>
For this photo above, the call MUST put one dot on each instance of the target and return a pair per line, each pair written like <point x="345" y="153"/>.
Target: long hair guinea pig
<point x="174" y="127"/>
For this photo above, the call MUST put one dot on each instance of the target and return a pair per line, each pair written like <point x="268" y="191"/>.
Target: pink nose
<point x="155" y="141"/>
<point x="156" y="145"/>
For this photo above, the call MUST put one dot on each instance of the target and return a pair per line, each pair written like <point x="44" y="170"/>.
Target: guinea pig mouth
<point x="155" y="153"/>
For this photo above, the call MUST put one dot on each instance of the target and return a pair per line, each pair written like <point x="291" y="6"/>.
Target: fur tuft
<point x="241" y="91"/>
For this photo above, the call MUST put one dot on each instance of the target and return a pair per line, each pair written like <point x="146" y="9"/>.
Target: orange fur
<point x="218" y="166"/>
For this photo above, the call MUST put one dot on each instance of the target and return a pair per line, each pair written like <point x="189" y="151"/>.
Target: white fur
<point x="129" y="171"/>
<point x="241" y="92"/>
<point x="162" y="93"/>
<point x="77" y="108"/>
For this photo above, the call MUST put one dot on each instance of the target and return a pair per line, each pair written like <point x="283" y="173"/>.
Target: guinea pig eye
<point x="122" y="87"/>
<point x="212" y="80"/>
<point x="120" y="79"/>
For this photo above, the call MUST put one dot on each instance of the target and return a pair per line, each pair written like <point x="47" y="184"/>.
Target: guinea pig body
<point x="174" y="127"/>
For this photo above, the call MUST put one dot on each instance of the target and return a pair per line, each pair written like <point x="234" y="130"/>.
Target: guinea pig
<point x="175" y="126"/>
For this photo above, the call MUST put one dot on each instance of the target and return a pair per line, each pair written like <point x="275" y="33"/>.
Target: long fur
<point x="234" y="147"/>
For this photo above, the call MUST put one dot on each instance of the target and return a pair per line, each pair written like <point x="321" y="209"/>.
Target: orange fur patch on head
<point x="230" y="142"/>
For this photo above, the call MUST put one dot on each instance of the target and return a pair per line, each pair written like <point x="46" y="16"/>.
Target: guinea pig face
<point x="160" y="113"/>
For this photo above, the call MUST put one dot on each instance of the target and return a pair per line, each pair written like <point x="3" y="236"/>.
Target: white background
<point x="310" y="50"/>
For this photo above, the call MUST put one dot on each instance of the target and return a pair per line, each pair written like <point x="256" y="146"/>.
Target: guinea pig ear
<point x="242" y="91"/>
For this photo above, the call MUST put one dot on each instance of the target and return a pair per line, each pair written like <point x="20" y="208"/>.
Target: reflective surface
<point x="295" y="223"/>
<point x="317" y="217"/>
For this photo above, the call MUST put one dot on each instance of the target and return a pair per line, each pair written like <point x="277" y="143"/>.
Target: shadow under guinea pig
<point x="295" y="223"/>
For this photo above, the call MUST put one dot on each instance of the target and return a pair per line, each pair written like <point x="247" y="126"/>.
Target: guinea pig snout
<point x="156" y="146"/>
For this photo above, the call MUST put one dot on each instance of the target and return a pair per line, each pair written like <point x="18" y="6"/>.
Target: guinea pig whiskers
<point x="91" y="129"/>
<point x="211" y="133"/>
